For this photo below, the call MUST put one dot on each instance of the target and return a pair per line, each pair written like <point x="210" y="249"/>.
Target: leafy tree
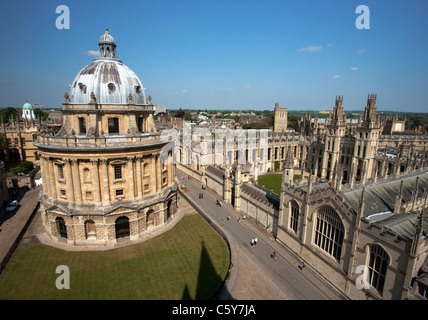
<point x="40" y="113"/>
<point x="9" y="112"/>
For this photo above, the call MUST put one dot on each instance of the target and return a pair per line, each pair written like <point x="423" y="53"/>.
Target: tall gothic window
<point x="294" y="217"/>
<point x="329" y="232"/>
<point x="378" y="263"/>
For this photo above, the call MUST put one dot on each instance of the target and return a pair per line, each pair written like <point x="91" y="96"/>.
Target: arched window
<point x="90" y="230"/>
<point x="86" y="175"/>
<point x="329" y="232"/>
<point x="169" y="209"/>
<point x="378" y="264"/>
<point x="122" y="227"/>
<point x="62" y="229"/>
<point x="294" y="216"/>
<point x="150" y="218"/>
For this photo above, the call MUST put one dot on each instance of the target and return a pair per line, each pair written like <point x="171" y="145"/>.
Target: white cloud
<point x="336" y="76"/>
<point x="247" y="86"/>
<point x="311" y="48"/>
<point x="224" y="89"/>
<point x="184" y="91"/>
<point x="330" y="45"/>
<point x="354" y="69"/>
<point x="362" y="51"/>
<point x="92" y="53"/>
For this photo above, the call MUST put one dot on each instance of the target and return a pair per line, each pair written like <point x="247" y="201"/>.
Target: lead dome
<point x="111" y="81"/>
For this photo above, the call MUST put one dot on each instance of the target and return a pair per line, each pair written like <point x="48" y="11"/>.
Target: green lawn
<point x="271" y="181"/>
<point x="188" y="262"/>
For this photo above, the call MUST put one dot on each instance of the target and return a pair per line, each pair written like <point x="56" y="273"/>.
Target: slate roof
<point x="380" y="196"/>
<point x="260" y="195"/>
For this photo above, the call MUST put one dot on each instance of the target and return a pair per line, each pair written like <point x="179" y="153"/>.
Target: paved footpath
<point x="283" y="272"/>
<point x="13" y="225"/>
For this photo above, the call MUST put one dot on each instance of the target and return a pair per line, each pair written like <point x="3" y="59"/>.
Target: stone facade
<point x="281" y="119"/>
<point x="105" y="175"/>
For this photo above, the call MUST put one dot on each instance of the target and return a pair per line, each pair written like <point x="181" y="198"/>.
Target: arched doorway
<point x="122" y="227"/>
<point x="62" y="229"/>
<point x="90" y="230"/>
<point x="169" y="209"/>
<point x="150" y="218"/>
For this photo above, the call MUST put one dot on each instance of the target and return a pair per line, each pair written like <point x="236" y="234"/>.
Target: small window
<point x="111" y="87"/>
<point x="119" y="193"/>
<point x="89" y="195"/>
<point x="117" y="172"/>
<point x="86" y="175"/>
<point x="61" y="171"/>
<point x="82" y="125"/>
<point x="113" y="125"/>
<point x="63" y="194"/>
<point x="137" y="89"/>
<point x="82" y="87"/>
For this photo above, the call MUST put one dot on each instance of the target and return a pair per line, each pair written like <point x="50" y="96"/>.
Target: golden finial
<point x="106" y="29"/>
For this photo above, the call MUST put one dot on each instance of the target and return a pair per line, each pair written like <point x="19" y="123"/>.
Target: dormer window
<point x="82" y="87"/>
<point x="111" y="87"/>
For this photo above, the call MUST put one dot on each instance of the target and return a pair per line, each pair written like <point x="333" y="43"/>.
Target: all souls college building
<point x="102" y="172"/>
<point x="359" y="217"/>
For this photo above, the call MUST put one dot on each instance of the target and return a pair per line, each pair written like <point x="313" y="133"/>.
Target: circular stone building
<point x="103" y="174"/>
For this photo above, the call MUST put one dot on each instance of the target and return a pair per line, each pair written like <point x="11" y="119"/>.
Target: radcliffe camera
<point x="213" y="158"/>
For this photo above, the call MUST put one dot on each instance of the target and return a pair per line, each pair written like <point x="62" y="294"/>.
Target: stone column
<point x="52" y="181"/>
<point x="158" y="173"/>
<point x="139" y="178"/>
<point x="106" y="187"/>
<point x="153" y="177"/>
<point x="69" y="180"/>
<point x="76" y="181"/>
<point x="44" y="165"/>
<point x="96" y="182"/>
<point x="131" y="178"/>
<point x="170" y="168"/>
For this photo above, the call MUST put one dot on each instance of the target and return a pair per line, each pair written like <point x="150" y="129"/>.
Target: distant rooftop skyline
<point x="240" y="54"/>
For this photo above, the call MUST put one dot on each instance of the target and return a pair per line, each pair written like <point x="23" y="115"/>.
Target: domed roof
<point x="108" y="78"/>
<point x="106" y="38"/>
<point x="27" y="105"/>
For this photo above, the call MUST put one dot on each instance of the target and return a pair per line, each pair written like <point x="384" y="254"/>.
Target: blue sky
<point x="236" y="54"/>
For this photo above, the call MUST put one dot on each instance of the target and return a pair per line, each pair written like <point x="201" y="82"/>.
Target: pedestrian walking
<point x="273" y="255"/>
<point x="255" y="241"/>
<point x="252" y="242"/>
<point x="302" y="265"/>
<point x="239" y="219"/>
<point x="228" y="217"/>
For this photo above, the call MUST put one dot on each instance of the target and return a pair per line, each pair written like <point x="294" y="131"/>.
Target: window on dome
<point x="111" y="87"/>
<point x="82" y="87"/>
<point x="137" y="89"/>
